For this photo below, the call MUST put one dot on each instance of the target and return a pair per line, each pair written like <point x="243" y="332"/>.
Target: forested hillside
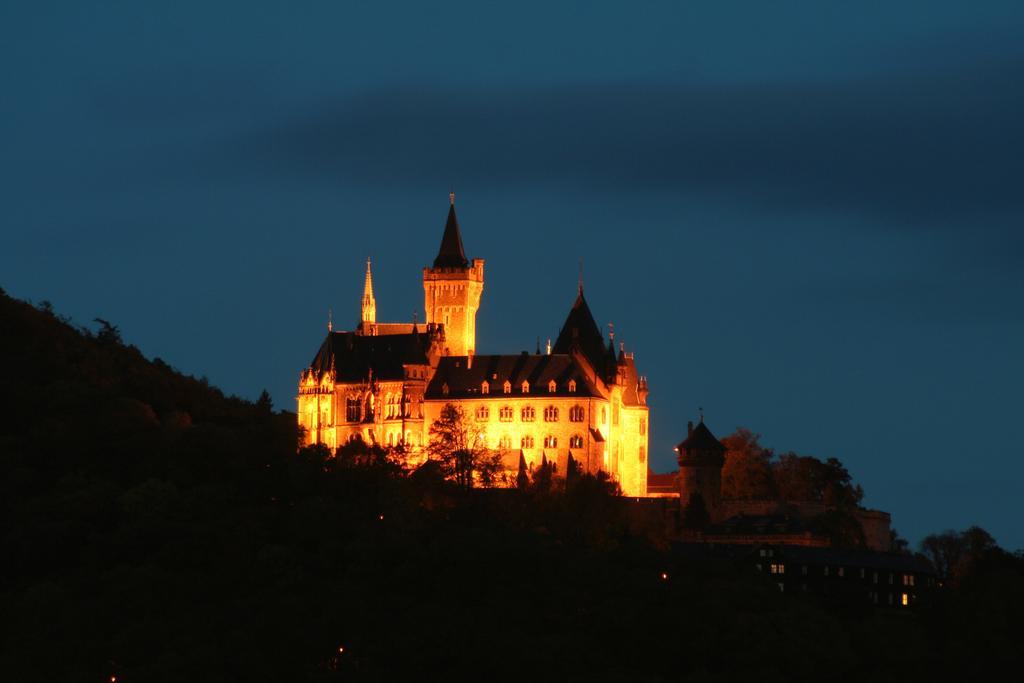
<point x="153" y="529"/>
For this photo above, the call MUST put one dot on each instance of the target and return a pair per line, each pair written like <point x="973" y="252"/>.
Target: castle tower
<point x="701" y="457"/>
<point x="369" y="303"/>
<point x="452" y="289"/>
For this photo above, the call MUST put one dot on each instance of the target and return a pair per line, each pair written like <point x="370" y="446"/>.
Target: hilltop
<point x="153" y="528"/>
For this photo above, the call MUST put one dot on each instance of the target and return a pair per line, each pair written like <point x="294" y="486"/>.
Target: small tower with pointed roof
<point x="452" y="289"/>
<point x="369" y="316"/>
<point x="701" y="457"/>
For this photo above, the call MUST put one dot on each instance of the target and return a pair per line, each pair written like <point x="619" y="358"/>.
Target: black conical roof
<point x="701" y="448"/>
<point x="451" y="254"/>
<point x="581" y="331"/>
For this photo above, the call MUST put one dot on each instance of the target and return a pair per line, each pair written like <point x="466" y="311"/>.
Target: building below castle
<point x="386" y="383"/>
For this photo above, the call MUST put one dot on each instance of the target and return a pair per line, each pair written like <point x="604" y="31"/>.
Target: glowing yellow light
<point x="905" y="599"/>
<point x="664" y="576"/>
<point x="341" y="650"/>
<point x="380" y="517"/>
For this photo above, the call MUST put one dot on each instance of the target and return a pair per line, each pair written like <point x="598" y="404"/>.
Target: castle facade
<point x="386" y="383"/>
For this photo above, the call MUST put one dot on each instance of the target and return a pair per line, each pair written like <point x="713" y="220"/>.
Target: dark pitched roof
<point x="353" y="355"/>
<point x="451" y="254"/>
<point x="466" y="380"/>
<point x="580" y="331"/>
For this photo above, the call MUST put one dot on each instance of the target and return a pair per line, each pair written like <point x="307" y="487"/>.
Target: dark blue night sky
<point x="805" y="217"/>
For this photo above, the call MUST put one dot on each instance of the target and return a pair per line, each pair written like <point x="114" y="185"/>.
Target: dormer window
<point x="552" y="386"/>
<point x="485" y="388"/>
<point x="572" y="386"/>
<point x="444" y="388"/>
<point x="507" y="387"/>
<point x="525" y="387"/>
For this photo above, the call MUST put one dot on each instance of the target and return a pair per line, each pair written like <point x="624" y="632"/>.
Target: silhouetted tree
<point x="804" y="478"/>
<point x="264" y="404"/>
<point x="461" y="450"/>
<point x="747" y="473"/>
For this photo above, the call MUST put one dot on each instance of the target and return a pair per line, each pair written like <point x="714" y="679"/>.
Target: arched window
<point x="485" y="388"/>
<point x="550" y="441"/>
<point x="551" y="414"/>
<point x="552" y="386"/>
<point x="528" y="414"/>
<point x="507" y="387"/>
<point x="643" y="454"/>
<point x="352" y="409"/>
<point x="483" y="413"/>
<point x="506" y="414"/>
<point x="643" y="425"/>
<point x="576" y="414"/>
<point x="391" y="439"/>
<point x="526" y="442"/>
<point x="505" y="442"/>
<point x="525" y="387"/>
<point x="572" y="386"/>
<point x="575" y="441"/>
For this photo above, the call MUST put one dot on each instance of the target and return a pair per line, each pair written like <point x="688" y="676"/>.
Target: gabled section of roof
<point x="353" y="356"/>
<point x="701" y="448"/>
<point x="451" y="253"/>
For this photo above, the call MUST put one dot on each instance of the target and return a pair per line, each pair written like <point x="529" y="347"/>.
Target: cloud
<point x="919" y="149"/>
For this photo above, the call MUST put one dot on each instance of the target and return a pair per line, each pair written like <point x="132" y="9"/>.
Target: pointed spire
<point x="580" y="284"/>
<point x="330" y="320"/>
<point x="580" y="330"/>
<point x="451" y="253"/>
<point x="369" y="303"/>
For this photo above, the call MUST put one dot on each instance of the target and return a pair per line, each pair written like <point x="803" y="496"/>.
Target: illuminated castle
<point x="386" y="383"/>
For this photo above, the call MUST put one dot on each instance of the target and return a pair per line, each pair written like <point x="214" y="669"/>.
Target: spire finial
<point x="580" y="283"/>
<point x="700" y="409"/>
<point x="330" y="320"/>
<point x="451" y="196"/>
<point x="611" y="332"/>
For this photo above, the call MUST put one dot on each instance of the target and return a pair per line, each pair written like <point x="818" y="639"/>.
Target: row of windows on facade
<point x="524" y="387"/>
<point x="780" y="568"/>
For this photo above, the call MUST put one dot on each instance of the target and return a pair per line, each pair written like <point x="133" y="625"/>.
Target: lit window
<point x="575" y="441"/>
<point x="572" y="386"/>
<point x="525" y="387"/>
<point x="526" y="442"/>
<point x="550" y="441"/>
<point x="778" y="569"/>
<point x="444" y="388"/>
<point x="352" y="409"/>
<point x="552" y="386"/>
<point x="506" y="414"/>
<point x="904" y="599"/>
<point x="642" y="454"/>
<point x="528" y="414"/>
<point x="483" y="413"/>
<point x="551" y="414"/>
<point x="643" y="425"/>
<point x="615" y="414"/>
<point x="507" y="387"/>
<point x="505" y="441"/>
<point x="485" y="388"/>
<point x="576" y="414"/>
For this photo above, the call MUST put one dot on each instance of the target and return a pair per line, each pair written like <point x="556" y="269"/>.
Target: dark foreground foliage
<point x="153" y="529"/>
